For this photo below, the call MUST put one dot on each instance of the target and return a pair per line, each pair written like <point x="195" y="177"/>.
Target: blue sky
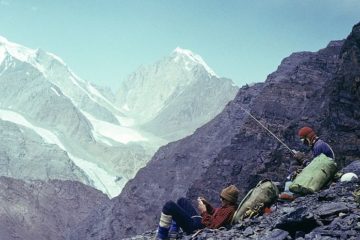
<point x="103" y="41"/>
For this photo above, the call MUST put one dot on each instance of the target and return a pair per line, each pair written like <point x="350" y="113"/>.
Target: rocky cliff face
<point x="344" y="102"/>
<point x="233" y="148"/>
<point x="38" y="210"/>
<point x="291" y="97"/>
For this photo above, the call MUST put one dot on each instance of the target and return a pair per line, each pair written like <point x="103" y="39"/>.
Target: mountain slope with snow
<point x="35" y="159"/>
<point x="106" y="142"/>
<point x="82" y="93"/>
<point x="72" y="114"/>
<point x="175" y="96"/>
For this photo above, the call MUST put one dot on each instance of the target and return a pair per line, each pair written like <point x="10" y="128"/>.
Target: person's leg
<point x="287" y="195"/>
<point x="185" y="204"/>
<point x="180" y="216"/>
<point x="188" y="207"/>
<point x="174" y="228"/>
<point x="164" y="226"/>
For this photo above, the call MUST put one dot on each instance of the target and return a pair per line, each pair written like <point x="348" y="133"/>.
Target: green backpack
<point x="263" y="195"/>
<point x="314" y="176"/>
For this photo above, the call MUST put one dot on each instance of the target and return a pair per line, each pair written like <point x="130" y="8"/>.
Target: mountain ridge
<point x="178" y="92"/>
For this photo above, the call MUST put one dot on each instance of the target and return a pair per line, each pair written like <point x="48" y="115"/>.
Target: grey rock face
<point x="233" y="148"/>
<point x="353" y="167"/>
<point x="344" y="110"/>
<point x="291" y="97"/>
<point x="37" y="210"/>
<point x="24" y="155"/>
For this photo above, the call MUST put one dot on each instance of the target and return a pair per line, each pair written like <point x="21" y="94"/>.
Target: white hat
<point x="348" y="177"/>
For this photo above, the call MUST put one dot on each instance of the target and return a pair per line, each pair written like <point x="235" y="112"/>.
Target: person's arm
<point x="221" y="217"/>
<point x="303" y="159"/>
<point x="322" y="147"/>
<point x="209" y="208"/>
<point x="299" y="157"/>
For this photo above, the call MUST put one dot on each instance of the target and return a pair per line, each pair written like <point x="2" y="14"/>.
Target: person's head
<point x="307" y="135"/>
<point x="229" y="195"/>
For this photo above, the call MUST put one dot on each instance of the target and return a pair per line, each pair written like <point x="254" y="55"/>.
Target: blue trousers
<point x="184" y="214"/>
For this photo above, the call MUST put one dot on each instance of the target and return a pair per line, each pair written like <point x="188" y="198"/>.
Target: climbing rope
<point x="262" y="125"/>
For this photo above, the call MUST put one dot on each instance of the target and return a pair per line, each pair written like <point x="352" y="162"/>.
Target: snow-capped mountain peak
<point x="20" y="53"/>
<point x="191" y="59"/>
<point x="56" y="71"/>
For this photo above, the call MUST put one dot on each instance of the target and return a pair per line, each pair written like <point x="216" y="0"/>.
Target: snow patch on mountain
<point x="114" y="132"/>
<point x="55" y="91"/>
<point x="95" y="92"/>
<point x="55" y="70"/>
<point x="57" y="58"/>
<point x="125" y="121"/>
<point x="2" y="54"/>
<point x="17" y="118"/>
<point x="191" y="59"/>
<point x="101" y="179"/>
<point x="21" y="53"/>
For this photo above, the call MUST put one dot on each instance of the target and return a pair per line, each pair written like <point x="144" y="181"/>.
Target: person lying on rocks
<point x="309" y="138"/>
<point x="183" y="215"/>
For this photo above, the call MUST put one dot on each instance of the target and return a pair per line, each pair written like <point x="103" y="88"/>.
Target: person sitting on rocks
<point x="309" y="138"/>
<point x="183" y="215"/>
<point x="318" y="146"/>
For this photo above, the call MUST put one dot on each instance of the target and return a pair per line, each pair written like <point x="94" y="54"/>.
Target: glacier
<point x="100" y="178"/>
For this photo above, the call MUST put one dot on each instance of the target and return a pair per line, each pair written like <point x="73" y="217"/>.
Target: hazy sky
<point x="103" y="41"/>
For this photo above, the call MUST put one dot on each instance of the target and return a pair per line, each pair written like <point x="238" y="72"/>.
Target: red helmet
<point x="307" y="132"/>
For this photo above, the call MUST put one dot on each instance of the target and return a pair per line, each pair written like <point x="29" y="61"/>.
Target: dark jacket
<point x="322" y="147"/>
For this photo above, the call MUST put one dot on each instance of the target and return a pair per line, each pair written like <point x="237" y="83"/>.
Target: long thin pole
<point x="268" y="130"/>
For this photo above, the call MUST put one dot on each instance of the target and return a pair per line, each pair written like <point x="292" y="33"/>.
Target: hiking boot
<point x="174" y="231"/>
<point x="162" y="233"/>
<point x="175" y="235"/>
<point x="157" y="238"/>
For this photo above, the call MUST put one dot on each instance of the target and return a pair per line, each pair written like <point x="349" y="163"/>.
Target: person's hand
<point x="203" y="200"/>
<point x="201" y="205"/>
<point x="294" y="174"/>
<point x="299" y="156"/>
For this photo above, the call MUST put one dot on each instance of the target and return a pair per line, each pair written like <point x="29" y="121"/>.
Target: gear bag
<point x="263" y="195"/>
<point x="314" y="176"/>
